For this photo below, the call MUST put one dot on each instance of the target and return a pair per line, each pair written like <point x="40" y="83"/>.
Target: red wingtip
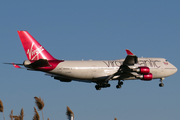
<point x="129" y="52"/>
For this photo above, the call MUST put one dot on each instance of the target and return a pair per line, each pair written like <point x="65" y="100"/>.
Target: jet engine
<point x="142" y="70"/>
<point x="146" y="77"/>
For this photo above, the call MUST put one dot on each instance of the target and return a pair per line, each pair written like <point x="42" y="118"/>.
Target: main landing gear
<point x="120" y="83"/>
<point x="161" y="84"/>
<point x="104" y="85"/>
<point x="99" y="86"/>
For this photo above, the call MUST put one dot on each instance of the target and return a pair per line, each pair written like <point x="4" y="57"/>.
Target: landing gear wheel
<point x="98" y="87"/>
<point x="118" y="86"/>
<point x="108" y="85"/>
<point x="161" y="84"/>
<point x="121" y="83"/>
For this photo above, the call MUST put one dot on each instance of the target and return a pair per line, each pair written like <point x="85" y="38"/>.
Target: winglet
<point x="130" y="59"/>
<point x="129" y="52"/>
<point x="16" y="66"/>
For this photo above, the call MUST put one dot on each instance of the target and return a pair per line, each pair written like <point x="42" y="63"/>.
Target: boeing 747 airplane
<point x="99" y="72"/>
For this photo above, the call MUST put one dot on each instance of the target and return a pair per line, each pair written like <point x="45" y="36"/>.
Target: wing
<point x="129" y="70"/>
<point x="124" y="70"/>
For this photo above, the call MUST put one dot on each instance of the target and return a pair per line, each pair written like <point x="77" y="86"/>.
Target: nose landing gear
<point x="161" y="84"/>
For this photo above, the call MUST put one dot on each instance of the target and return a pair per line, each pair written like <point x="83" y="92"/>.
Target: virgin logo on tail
<point x="33" y="50"/>
<point x="34" y="53"/>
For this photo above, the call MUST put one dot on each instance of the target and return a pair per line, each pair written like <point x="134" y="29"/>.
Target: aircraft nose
<point x="175" y="70"/>
<point x="171" y="69"/>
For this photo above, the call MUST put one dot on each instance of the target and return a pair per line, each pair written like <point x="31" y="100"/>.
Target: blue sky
<point x="98" y="30"/>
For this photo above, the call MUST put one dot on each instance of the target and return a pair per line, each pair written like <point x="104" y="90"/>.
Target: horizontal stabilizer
<point x="14" y="64"/>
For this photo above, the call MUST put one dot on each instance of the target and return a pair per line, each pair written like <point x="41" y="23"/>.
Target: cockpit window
<point x="166" y="60"/>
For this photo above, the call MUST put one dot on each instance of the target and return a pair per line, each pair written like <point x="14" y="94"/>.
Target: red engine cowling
<point x="147" y="77"/>
<point x="143" y="70"/>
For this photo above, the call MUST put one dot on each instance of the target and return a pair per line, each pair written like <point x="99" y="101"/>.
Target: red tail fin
<point x="33" y="50"/>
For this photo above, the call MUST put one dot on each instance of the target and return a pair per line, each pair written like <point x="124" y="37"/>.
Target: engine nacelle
<point x="147" y="77"/>
<point x="142" y="70"/>
<point x="26" y="63"/>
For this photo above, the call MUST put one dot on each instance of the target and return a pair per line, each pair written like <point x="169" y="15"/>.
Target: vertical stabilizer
<point x="33" y="50"/>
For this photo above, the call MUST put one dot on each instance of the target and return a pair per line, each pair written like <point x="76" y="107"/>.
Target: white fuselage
<point x="100" y="70"/>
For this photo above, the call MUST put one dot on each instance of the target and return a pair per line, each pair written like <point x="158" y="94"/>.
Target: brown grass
<point x="39" y="103"/>
<point x="16" y="117"/>
<point x="36" y="115"/>
<point x="21" y="114"/>
<point x="69" y="112"/>
<point x="1" y="106"/>
<point x="11" y="115"/>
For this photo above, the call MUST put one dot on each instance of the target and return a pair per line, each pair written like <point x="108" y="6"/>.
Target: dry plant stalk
<point x="16" y="117"/>
<point x="39" y="103"/>
<point x="115" y="118"/>
<point x="21" y="114"/>
<point x="1" y="106"/>
<point x="11" y="115"/>
<point x="69" y="112"/>
<point x="36" y="115"/>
